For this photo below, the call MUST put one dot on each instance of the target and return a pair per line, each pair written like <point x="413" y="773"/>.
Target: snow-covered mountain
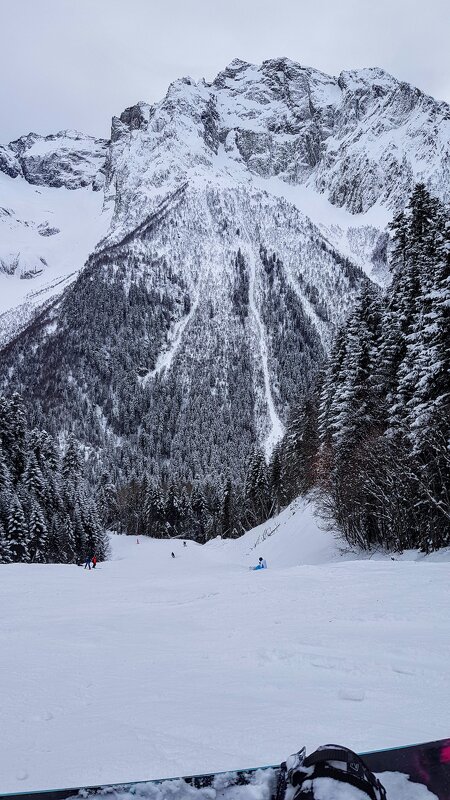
<point x="67" y="158"/>
<point x="47" y="230"/>
<point x="237" y="222"/>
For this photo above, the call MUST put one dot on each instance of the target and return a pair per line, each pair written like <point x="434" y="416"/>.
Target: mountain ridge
<point x="238" y="219"/>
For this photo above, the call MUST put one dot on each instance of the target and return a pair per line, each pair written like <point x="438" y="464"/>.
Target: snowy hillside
<point x="50" y="219"/>
<point x="240" y="220"/>
<point x="46" y="235"/>
<point x="152" y="666"/>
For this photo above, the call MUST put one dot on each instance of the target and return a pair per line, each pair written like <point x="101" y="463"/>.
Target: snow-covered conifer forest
<point x="47" y="513"/>
<point x="242" y="296"/>
<point x="373" y="432"/>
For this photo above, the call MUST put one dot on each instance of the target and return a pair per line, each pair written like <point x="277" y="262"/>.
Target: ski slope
<point x="151" y="666"/>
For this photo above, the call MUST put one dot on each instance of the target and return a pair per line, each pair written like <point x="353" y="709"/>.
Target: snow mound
<point x="298" y="536"/>
<point x="262" y="786"/>
<point x="295" y="536"/>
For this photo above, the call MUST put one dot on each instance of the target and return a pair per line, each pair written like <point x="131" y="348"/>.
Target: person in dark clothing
<point x="173" y="555"/>
<point x="87" y="563"/>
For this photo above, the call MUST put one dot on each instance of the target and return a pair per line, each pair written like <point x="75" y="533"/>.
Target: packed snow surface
<point x="151" y="666"/>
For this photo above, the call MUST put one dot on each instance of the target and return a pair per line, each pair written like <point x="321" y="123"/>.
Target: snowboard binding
<point x="310" y="777"/>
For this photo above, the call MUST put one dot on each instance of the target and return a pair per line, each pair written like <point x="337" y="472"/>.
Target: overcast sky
<point x="75" y="63"/>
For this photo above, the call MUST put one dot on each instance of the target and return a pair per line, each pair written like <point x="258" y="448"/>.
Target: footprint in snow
<point x="357" y="695"/>
<point x="402" y="670"/>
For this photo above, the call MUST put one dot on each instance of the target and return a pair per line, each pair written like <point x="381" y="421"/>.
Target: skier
<point x="262" y="564"/>
<point x="184" y="544"/>
<point x="94" y="562"/>
<point x="173" y="555"/>
<point x="87" y="563"/>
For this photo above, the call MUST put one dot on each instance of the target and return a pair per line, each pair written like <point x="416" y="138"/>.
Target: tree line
<point x="47" y="512"/>
<point x="164" y="507"/>
<point x="373" y="434"/>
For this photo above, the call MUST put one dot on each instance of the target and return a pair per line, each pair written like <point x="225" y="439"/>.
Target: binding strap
<point x="340" y="764"/>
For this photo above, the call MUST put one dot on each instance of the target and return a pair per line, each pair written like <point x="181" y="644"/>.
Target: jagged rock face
<point x="50" y="219"/>
<point x="67" y="158"/>
<point x="243" y="213"/>
<point x="359" y="139"/>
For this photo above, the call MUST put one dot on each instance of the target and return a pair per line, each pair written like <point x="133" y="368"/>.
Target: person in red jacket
<point x="94" y="561"/>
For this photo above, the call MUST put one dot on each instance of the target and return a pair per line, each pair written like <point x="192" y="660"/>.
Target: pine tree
<point x="12" y="434"/>
<point x="17" y="532"/>
<point x="6" y="555"/>
<point x="79" y="533"/>
<point x="172" y="511"/>
<point x="300" y="450"/>
<point x="38" y="535"/>
<point x="5" y="476"/>
<point x="226" y="514"/>
<point x="431" y="346"/>
<point x="107" y="501"/>
<point x="154" y="512"/>
<point x="32" y="477"/>
<point x="18" y="431"/>
<point x="276" y="484"/>
<point x="258" y="502"/>
<point x="68" y="535"/>
<point x="198" y="505"/>
<point x="71" y="463"/>
<point x="331" y="381"/>
<point x="355" y="406"/>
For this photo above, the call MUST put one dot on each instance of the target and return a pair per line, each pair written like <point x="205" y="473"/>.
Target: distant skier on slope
<point x="94" y="562"/>
<point x="173" y="554"/>
<point x="262" y="564"/>
<point x="87" y="563"/>
<point x="184" y="544"/>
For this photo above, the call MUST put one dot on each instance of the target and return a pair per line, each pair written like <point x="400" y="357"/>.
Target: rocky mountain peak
<point x="367" y="78"/>
<point x="67" y="158"/>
